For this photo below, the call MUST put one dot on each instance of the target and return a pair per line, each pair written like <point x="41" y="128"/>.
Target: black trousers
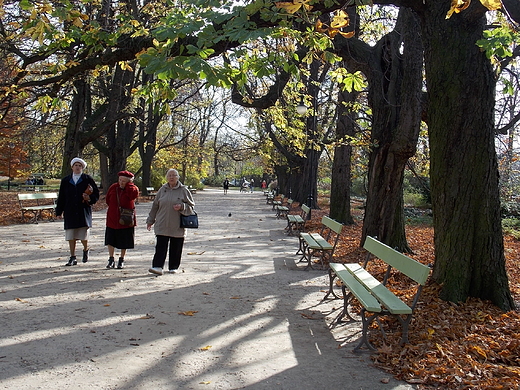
<point x="174" y="244"/>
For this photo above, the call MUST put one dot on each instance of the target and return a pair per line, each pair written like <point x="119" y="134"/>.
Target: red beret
<point x="126" y="173"/>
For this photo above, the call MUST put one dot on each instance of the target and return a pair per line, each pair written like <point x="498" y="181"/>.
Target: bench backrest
<point x="410" y="267"/>
<point x="150" y="189"/>
<point x="305" y="211"/>
<point x="335" y="226"/>
<point x="39" y="195"/>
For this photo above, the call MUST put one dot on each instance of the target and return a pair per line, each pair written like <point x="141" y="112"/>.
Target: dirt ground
<point x="241" y="314"/>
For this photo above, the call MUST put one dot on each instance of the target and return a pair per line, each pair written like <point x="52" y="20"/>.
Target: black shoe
<point x="120" y="264"/>
<point x="72" y="261"/>
<point x="85" y="256"/>
<point x="111" y="262"/>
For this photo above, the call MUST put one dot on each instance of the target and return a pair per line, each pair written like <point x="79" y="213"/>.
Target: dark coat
<point x="76" y="213"/>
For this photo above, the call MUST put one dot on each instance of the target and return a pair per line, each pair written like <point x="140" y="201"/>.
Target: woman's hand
<point x="149" y="226"/>
<point x="177" y="206"/>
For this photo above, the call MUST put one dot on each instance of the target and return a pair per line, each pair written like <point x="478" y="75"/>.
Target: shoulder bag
<point x="190" y="221"/>
<point x="126" y="216"/>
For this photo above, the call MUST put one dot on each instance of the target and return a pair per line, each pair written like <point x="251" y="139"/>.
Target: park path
<point x="241" y="314"/>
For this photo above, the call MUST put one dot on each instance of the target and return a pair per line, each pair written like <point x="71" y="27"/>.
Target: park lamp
<point x="301" y="108"/>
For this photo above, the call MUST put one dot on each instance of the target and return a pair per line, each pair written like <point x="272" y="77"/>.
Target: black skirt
<point x="120" y="238"/>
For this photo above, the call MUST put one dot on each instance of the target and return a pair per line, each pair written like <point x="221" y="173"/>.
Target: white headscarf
<point x="81" y="161"/>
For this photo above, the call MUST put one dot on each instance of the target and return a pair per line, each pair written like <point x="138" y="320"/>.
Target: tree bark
<point x="469" y="244"/>
<point x="394" y="96"/>
<point x="341" y="165"/>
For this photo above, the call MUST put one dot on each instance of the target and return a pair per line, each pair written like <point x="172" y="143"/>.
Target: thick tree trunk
<point x="341" y="166"/>
<point x="77" y="116"/>
<point x="469" y="245"/>
<point x="395" y="88"/>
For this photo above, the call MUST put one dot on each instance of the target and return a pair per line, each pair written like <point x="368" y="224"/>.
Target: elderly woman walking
<point x="172" y="200"/>
<point x="120" y="195"/>
<point x="78" y="192"/>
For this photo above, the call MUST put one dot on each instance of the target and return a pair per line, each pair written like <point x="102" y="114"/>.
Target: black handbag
<point x="190" y="221"/>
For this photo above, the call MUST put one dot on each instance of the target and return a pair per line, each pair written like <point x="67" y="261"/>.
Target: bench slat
<point x="356" y="288"/>
<point x="321" y="241"/>
<point x="309" y="240"/>
<point x="385" y="296"/>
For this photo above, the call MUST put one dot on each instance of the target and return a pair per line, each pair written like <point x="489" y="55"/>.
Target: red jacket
<point x="126" y="201"/>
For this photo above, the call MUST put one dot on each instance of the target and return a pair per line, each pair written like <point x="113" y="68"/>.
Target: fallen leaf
<point x="206" y="348"/>
<point x="188" y="313"/>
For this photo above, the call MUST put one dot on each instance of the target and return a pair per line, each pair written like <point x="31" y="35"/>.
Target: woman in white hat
<point x="78" y="192"/>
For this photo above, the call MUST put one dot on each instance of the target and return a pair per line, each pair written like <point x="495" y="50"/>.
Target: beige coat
<point x="165" y="219"/>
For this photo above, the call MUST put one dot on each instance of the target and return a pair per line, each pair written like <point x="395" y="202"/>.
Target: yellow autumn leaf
<point x="320" y="27"/>
<point x="340" y="20"/>
<point x="491" y="4"/>
<point x="457" y="6"/>
<point x="348" y="34"/>
<point x="77" y="22"/>
<point x="206" y="348"/>
<point x="479" y="351"/>
<point x="188" y="313"/>
<point x="294" y="6"/>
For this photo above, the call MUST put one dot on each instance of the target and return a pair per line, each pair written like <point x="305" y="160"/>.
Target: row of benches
<point x="358" y="284"/>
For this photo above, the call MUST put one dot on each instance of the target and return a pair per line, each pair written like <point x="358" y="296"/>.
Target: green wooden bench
<point x="36" y="203"/>
<point x="376" y="300"/>
<point x="282" y="211"/>
<point x="296" y="222"/>
<point x="278" y="202"/>
<point x="322" y="244"/>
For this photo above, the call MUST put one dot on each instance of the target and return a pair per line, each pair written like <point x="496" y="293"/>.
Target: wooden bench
<point x="34" y="204"/>
<point x="322" y="244"/>
<point x="296" y="222"/>
<point x="269" y="197"/>
<point x="278" y="202"/>
<point x="282" y="211"/>
<point x="151" y="193"/>
<point x="375" y="298"/>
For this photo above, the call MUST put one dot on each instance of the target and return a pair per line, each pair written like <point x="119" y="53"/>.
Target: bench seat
<point x="296" y="222"/>
<point x="322" y="244"/>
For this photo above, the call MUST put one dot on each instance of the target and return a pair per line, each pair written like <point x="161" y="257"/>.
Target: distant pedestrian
<point x="78" y="192"/>
<point x="172" y="200"/>
<point x="225" y="184"/>
<point x="264" y="185"/>
<point x="120" y="195"/>
<point x="252" y="184"/>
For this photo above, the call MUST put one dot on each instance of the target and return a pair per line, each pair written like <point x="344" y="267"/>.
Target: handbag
<point x="126" y="216"/>
<point x="190" y="221"/>
<point x="89" y="190"/>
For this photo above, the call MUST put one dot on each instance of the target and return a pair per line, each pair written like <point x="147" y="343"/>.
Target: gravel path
<point x="241" y="314"/>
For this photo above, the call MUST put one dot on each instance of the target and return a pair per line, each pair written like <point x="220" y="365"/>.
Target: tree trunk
<point x="77" y="115"/>
<point x="341" y="166"/>
<point x="469" y="245"/>
<point x="394" y="93"/>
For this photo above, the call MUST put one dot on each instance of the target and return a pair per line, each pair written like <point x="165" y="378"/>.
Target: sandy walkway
<point x="257" y="319"/>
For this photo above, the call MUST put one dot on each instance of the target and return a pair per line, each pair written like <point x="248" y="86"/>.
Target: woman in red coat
<point x="120" y="194"/>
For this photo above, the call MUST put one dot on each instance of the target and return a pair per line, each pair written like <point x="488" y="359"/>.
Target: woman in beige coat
<point x="172" y="200"/>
